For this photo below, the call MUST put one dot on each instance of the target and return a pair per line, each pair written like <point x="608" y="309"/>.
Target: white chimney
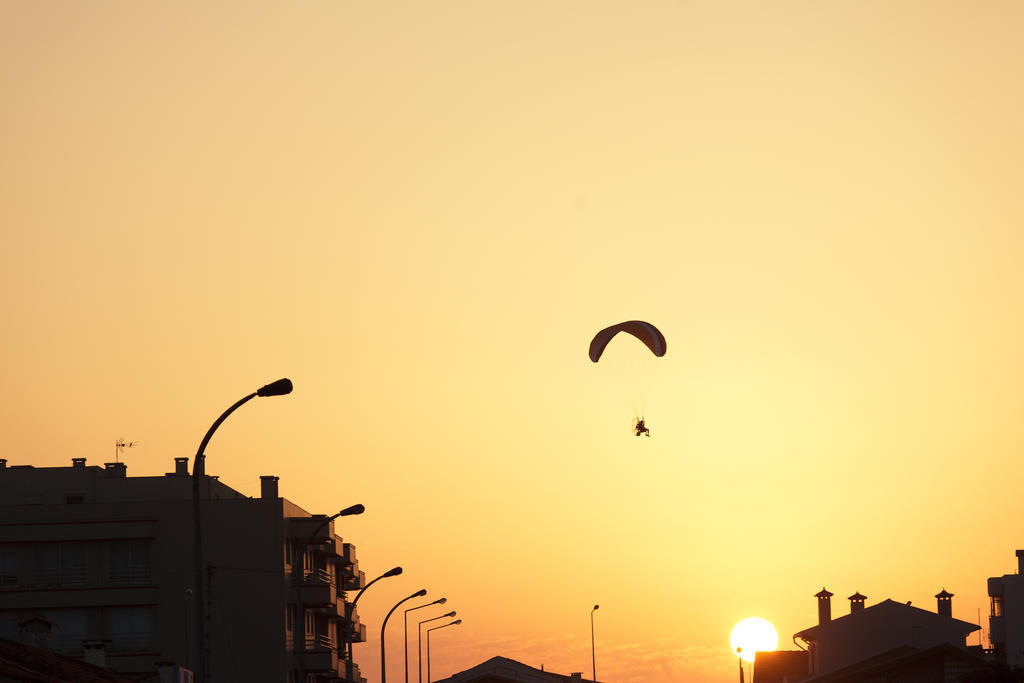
<point x="96" y="652"/>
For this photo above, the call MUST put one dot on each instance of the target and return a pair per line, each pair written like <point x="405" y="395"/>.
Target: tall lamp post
<point x="453" y="623"/>
<point x="383" y="663"/>
<point x="299" y="571"/>
<point x="405" y="620"/>
<point x="419" y="641"/>
<point x="278" y="388"/>
<point x="739" y="658"/>
<point x="350" y="610"/>
<point x="593" y="652"/>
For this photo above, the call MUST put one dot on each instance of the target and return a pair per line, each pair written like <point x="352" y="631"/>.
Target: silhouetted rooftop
<point x="22" y="662"/>
<point x="502" y="669"/>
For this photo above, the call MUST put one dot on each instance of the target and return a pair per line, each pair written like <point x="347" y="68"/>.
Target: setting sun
<point x="752" y="635"/>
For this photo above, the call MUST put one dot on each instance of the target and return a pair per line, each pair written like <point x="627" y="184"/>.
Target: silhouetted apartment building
<point x="1006" y="621"/>
<point x="886" y="641"/>
<point x="107" y="557"/>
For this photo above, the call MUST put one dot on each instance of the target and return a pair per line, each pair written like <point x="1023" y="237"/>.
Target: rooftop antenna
<point x="120" y="445"/>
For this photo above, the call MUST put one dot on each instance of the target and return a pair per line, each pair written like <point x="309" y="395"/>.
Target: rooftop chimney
<point x="116" y="470"/>
<point x="36" y="631"/>
<point x="1020" y="561"/>
<point x="824" y="606"/>
<point x="268" y="486"/>
<point x="96" y="652"/>
<point x="181" y="465"/>
<point x="3" y="463"/>
<point x="857" y="602"/>
<point x="78" y="462"/>
<point x="945" y="606"/>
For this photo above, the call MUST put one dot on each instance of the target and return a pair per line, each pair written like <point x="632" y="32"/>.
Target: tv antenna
<point x="122" y="444"/>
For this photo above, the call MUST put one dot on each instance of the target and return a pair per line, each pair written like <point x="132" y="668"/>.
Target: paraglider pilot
<point x="640" y="428"/>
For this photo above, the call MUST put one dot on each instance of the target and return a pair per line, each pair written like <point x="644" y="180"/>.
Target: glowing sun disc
<point x="753" y="635"/>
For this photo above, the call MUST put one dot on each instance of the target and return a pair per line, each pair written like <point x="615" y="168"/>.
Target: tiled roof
<point x="27" y="663"/>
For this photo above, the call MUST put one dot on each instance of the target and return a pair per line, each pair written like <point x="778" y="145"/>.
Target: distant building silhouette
<point x="869" y="631"/>
<point x="505" y="670"/>
<point x="106" y="557"/>
<point x="888" y="641"/>
<point x="1006" y="620"/>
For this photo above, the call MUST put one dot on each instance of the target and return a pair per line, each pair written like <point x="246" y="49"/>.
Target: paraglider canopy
<point x="645" y="332"/>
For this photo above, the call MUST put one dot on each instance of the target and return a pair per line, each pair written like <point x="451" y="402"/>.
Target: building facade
<point x="1006" y="620"/>
<point x="870" y="631"/>
<point x="107" y="557"/>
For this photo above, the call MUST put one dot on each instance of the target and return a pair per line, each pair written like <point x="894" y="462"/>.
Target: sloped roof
<point x="880" y="611"/>
<point x="500" y="669"/>
<point x="27" y="663"/>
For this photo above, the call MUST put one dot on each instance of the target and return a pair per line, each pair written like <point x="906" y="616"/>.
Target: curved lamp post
<point x="419" y="641"/>
<point x="278" y="388"/>
<point x="350" y="610"/>
<point x="299" y="571"/>
<point x="383" y="664"/>
<point x="593" y="656"/>
<point x="453" y="623"/>
<point x="405" y="620"/>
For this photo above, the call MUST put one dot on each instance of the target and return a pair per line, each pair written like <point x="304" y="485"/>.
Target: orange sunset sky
<point x="421" y="212"/>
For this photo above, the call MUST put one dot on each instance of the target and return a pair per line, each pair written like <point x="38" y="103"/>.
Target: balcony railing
<point x="314" y="642"/>
<point x="320" y="576"/>
<point x="131" y="574"/>
<point x="131" y="642"/>
<point x="64" y="576"/>
<point x="318" y="641"/>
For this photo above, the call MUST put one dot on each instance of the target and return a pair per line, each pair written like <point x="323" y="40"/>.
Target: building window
<point x="130" y="562"/>
<point x="69" y="630"/>
<point x="8" y="568"/>
<point x="997" y="606"/>
<point x="59" y="564"/>
<point x="131" y="628"/>
<point x="9" y="628"/>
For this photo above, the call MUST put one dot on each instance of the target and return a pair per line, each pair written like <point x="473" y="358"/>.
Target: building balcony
<point x="320" y="654"/>
<point x="353" y="582"/>
<point x="317" y="590"/>
<point x="997" y="630"/>
<point x="348" y="553"/>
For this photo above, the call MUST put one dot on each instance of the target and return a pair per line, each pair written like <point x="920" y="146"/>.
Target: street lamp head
<point x="278" y="388"/>
<point x="450" y="614"/>
<point x="440" y="601"/>
<point x="420" y="593"/>
<point x="456" y="622"/>
<point x="354" y="510"/>
<point x="392" y="572"/>
<point x="595" y="607"/>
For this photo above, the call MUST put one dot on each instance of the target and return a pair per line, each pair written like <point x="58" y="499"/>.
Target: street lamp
<point x="350" y="610"/>
<point x="405" y="621"/>
<point x="299" y="571"/>
<point x="593" y="656"/>
<point x="419" y="641"/>
<point x="278" y="388"/>
<point x="383" y="664"/>
<point x="454" y="623"/>
<point x="739" y="658"/>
